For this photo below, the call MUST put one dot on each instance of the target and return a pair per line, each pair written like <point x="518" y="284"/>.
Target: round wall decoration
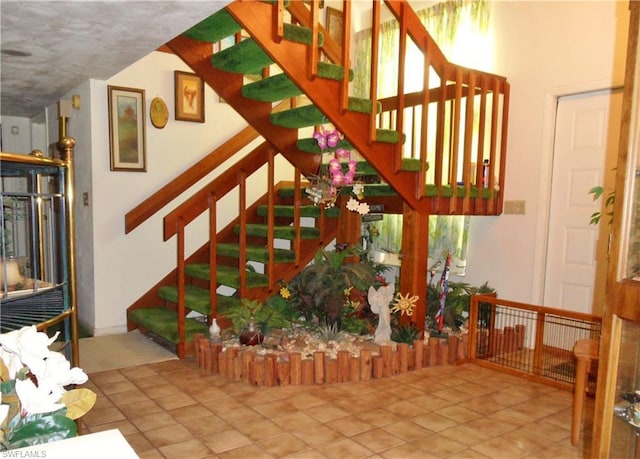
<point x="159" y="113"/>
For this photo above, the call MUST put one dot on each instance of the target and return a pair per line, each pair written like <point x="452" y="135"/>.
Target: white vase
<point x="214" y="330"/>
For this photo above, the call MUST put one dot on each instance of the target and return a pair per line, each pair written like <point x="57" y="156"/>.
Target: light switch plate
<point x="514" y="207"/>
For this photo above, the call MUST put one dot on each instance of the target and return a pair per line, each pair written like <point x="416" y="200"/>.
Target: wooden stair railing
<point x="205" y="200"/>
<point x="461" y="92"/>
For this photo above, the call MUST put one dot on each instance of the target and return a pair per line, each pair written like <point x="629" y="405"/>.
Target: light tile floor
<point x="173" y="409"/>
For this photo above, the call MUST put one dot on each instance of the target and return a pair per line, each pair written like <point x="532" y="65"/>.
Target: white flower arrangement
<point x="35" y="405"/>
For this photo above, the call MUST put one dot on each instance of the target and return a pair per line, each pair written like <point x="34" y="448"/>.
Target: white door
<point x="585" y="151"/>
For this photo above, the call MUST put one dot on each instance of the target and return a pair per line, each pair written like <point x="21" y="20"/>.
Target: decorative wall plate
<point x="159" y="113"/>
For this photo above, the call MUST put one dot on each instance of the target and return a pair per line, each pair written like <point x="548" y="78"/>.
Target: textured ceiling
<point x="69" y="42"/>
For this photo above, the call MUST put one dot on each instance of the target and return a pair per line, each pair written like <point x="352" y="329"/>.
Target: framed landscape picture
<point x="127" y="129"/>
<point x="189" y="94"/>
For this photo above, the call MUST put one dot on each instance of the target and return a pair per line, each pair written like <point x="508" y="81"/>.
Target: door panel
<point x="587" y="131"/>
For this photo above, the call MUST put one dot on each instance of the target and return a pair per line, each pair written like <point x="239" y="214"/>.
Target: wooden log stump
<point x="307" y="372"/>
<point x="237" y="368"/>
<point x="377" y="366"/>
<point x="434" y="351"/>
<point x="386" y="352"/>
<point x="257" y="373"/>
<point x="521" y="331"/>
<point x="403" y="356"/>
<point x="509" y="339"/>
<point x="247" y="358"/>
<point x="411" y="359"/>
<point x="270" y="363"/>
<point x="295" y="368"/>
<point x="443" y="355"/>
<point x="318" y="367"/>
<point x="332" y="371"/>
<point x="231" y="353"/>
<point x="498" y="339"/>
<point x="365" y="365"/>
<point x="222" y="362"/>
<point x="216" y="349"/>
<point x="344" y="358"/>
<point x="418" y="350"/>
<point x="284" y="371"/>
<point x="453" y="342"/>
<point x="354" y="369"/>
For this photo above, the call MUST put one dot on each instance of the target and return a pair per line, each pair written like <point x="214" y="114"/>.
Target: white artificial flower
<point x="352" y="205"/>
<point x="363" y="208"/>
<point x="358" y="189"/>
<point x="11" y="361"/>
<point x="57" y="371"/>
<point x="4" y="411"/>
<point x="38" y="399"/>
<point x="30" y="345"/>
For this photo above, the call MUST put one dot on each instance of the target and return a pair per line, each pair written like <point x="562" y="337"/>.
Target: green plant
<point x="328" y="332"/>
<point x="458" y="300"/>
<point x="597" y="192"/>
<point x="322" y="289"/>
<point x="273" y="313"/>
<point x="404" y="333"/>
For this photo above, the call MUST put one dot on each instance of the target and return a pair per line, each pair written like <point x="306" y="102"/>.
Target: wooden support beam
<point x="413" y="270"/>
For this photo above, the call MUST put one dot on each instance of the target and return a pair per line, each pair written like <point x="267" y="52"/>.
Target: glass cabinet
<point x="36" y="262"/>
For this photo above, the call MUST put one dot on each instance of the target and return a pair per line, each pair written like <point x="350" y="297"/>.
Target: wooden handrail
<point x="143" y="211"/>
<point x="196" y="204"/>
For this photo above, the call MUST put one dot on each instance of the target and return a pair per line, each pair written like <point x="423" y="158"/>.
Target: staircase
<point x="273" y="60"/>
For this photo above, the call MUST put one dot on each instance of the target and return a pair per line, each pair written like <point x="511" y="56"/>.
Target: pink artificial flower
<point x="334" y="166"/>
<point x="342" y="153"/>
<point x="321" y="139"/>
<point x="332" y="138"/>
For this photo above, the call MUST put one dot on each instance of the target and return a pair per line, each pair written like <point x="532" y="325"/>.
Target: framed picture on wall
<point x="334" y="24"/>
<point x="127" y="129"/>
<point x="189" y="95"/>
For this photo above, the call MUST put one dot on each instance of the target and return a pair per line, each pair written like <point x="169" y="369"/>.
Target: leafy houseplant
<point x="274" y="313"/>
<point x="597" y="192"/>
<point x="322" y="289"/>
<point x="457" y="304"/>
<point x="35" y="407"/>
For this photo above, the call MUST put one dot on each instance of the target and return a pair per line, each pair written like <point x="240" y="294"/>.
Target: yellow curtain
<point x="460" y="29"/>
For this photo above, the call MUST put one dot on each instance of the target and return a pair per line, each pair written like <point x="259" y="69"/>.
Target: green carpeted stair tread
<point x="280" y="232"/>
<point x="287" y="211"/>
<point x="245" y="57"/>
<point x="256" y="253"/>
<point x="387" y="136"/>
<point x="195" y="298"/>
<point x="299" y="117"/>
<point x="271" y="89"/>
<point x="164" y="322"/>
<point x="227" y="275"/>
<point x="213" y="29"/>
<point x="309" y="115"/>
<point x="333" y="71"/>
<point x="301" y="34"/>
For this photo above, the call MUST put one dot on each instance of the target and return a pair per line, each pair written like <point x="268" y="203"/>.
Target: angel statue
<point x="379" y="301"/>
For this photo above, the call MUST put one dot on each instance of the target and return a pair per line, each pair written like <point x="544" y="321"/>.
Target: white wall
<point x="114" y="269"/>
<point x="16" y="134"/>
<point x="545" y="49"/>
